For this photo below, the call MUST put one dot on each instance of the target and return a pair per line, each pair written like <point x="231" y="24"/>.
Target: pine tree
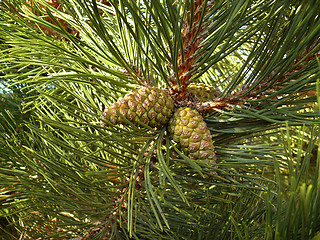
<point x="161" y="119"/>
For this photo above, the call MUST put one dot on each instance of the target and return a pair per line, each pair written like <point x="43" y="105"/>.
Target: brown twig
<point x="266" y="87"/>
<point x="193" y="32"/>
<point x="32" y="6"/>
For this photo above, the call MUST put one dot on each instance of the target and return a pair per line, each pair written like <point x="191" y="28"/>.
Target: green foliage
<point x="63" y="175"/>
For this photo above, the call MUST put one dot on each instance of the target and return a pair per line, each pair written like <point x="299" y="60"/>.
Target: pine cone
<point x="188" y="129"/>
<point x="202" y="92"/>
<point x="151" y="106"/>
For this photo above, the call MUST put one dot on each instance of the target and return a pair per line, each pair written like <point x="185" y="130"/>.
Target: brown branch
<point x="192" y="35"/>
<point x="266" y="87"/>
<point x="32" y="7"/>
<point x="190" y="43"/>
<point x="217" y="105"/>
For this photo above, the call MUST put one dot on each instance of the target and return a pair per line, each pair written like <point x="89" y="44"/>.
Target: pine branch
<point x="190" y="39"/>
<point x="192" y="35"/>
<point x="63" y="175"/>
<point x="267" y="87"/>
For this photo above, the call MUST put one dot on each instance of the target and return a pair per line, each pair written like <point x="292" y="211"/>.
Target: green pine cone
<point x="201" y="91"/>
<point x="188" y="129"/>
<point x="151" y="106"/>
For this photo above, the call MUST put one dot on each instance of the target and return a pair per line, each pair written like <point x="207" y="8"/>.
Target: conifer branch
<point x="41" y="11"/>
<point x="76" y="179"/>
<point x="266" y="87"/>
<point x="263" y="90"/>
<point x="192" y="35"/>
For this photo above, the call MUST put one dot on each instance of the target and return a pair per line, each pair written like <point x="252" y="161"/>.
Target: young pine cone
<point x="203" y="92"/>
<point x="188" y="129"/>
<point x="150" y="105"/>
